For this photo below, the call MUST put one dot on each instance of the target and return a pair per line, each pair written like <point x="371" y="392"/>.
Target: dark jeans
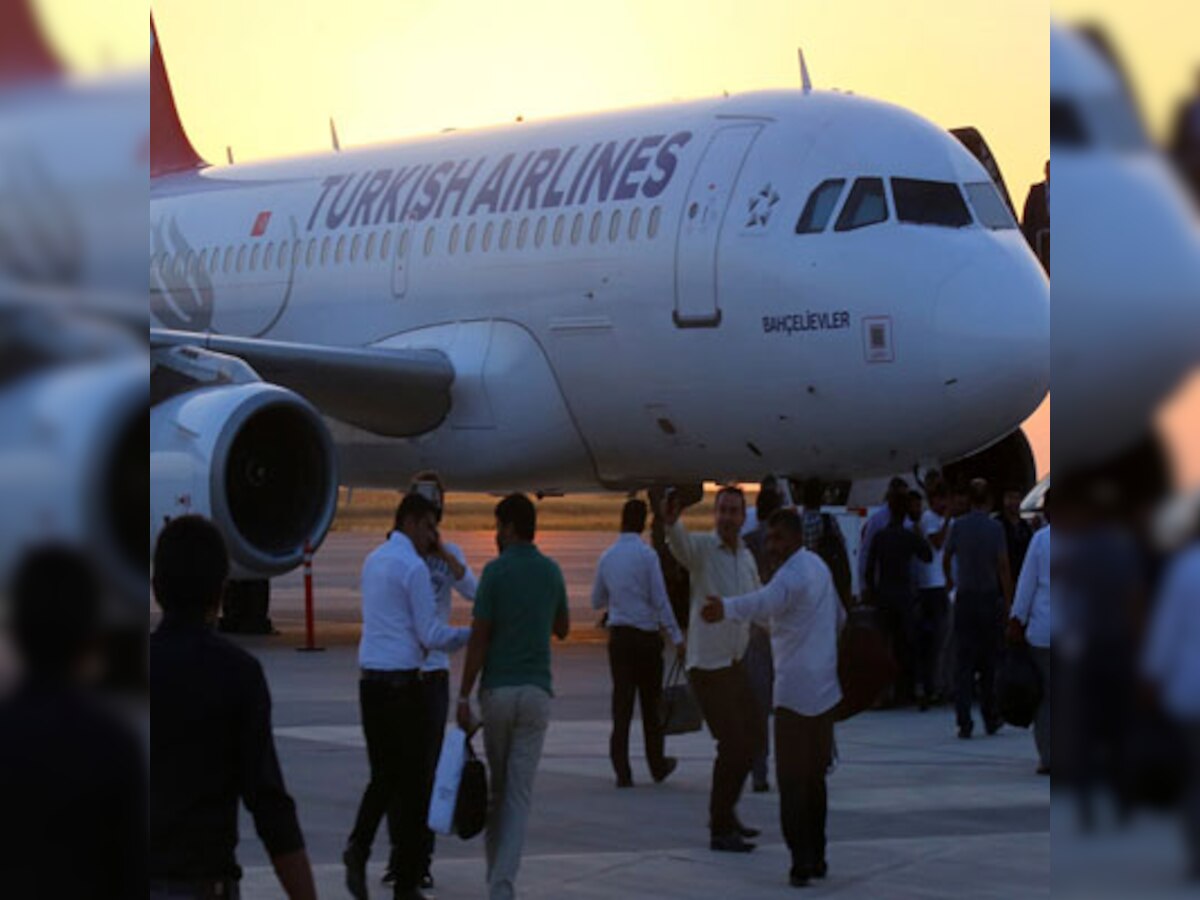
<point x="733" y="719"/>
<point x="803" y="751"/>
<point x="932" y="605"/>
<point x="1042" y="724"/>
<point x="977" y="630"/>
<point x="394" y="722"/>
<point x="897" y="612"/>
<point x="635" y="659"/>
<point x="760" y="669"/>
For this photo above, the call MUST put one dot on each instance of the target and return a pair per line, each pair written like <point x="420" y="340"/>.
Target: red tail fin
<point x="170" y="149"/>
<point x="24" y="53"/>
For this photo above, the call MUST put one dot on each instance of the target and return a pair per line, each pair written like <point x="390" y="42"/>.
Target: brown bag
<point x="866" y="664"/>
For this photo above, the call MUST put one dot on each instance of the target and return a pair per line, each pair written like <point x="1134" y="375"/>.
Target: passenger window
<point x="652" y="225"/>
<point x="229" y="251"/>
<point x="310" y="258"/>
<point x="203" y="264"/>
<point x="470" y="244"/>
<point x="560" y="225"/>
<point x="241" y="258"/>
<point x="866" y="205"/>
<point x="597" y="223"/>
<point x="922" y="202"/>
<point x="991" y="211"/>
<point x="577" y="228"/>
<point x="614" y="226"/>
<point x="254" y="258"/>
<point x="355" y="247"/>
<point x="326" y="247"/>
<point x="486" y="244"/>
<point x="505" y="234"/>
<point x="214" y="262"/>
<point x="295" y="254"/>
<point x="385" y="245"/>
<point x="430" y="236"/>
<point x="522" y="234"/>
<point x="635" y="220"/>
<point x="819" y="208"/>
<point x="539" y="234"/>
<point x="454" y="235"/>
<point x="268" y="255"/>
<point x="340" y="253"/>
<point x="369" y="252"/>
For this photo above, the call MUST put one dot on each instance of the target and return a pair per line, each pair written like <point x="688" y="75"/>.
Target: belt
<point x="435" y="675"/>
<point x="393" y="677"/>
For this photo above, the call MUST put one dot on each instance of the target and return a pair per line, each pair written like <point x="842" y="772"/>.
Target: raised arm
<point x="757" y="606"/>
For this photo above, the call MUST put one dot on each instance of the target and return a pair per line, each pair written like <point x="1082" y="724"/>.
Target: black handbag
<point x="866" y="664"/>
<point x="1018" y="686"/>
<point x="470" y="809"/>
<point x="679" y="712"/>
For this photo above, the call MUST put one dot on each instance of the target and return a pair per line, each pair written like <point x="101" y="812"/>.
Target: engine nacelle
<point x="255" y="458"/>
<point x="72" y="466"/>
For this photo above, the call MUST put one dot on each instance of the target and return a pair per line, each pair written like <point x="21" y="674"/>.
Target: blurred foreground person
<point x="401" y="625"/>
<point x="210" y="740"/>
<point x="1172" y="663"/>
<point x="1032" y="621"/>
<point x="629" y="584"/>
<point x="1035" y="222"/>
<point x="521" y="601"/>
<point x="720" y="565"/>
<point x="803" y="613"/>
<point x="1185" y="140"/>
<point x="984" y="595"/>
<point x="72" y="775"/>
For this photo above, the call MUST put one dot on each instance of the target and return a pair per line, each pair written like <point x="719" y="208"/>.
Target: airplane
<point x="796" y="281"/>
<point x="1126" y="262"/>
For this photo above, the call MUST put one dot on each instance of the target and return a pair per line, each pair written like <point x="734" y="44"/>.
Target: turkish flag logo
<point x="260" y="224"/>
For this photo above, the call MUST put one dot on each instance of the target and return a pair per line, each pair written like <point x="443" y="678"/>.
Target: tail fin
<point x="24" y="53"/>
<point x="170" y="148"/>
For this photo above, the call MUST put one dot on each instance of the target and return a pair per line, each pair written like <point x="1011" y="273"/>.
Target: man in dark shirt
<point x="891" y="585"/>
<point x="1017" y="532"/>
<point x="211" y="740"/>
<point x="985" y="590"/>
<point x="72" y="775"/>
<point x="1035" y="223"/>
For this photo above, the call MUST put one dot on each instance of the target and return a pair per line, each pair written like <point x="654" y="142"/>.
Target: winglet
<point x="170" y="148"/>
<point x="24" y="53"/>
<point x="805" y="81"/>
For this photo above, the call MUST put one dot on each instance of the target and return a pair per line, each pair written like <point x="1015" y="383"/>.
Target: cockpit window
<point x="923" y="202"/>
<point x="991" y="211"/>
<point x="820" y="205"/>
<point x="1066" y="125"/>
<point x="866" y="205"/>
<point x="1109" y="121"/>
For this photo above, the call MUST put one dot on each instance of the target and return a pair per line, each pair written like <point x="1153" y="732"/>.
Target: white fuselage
<point x="624" y="297"/>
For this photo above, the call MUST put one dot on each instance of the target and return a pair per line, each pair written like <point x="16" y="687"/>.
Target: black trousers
<point x="435" y="698"/>
<point x="394" y="722"/>
<point x="897" y="611"/>
<point x="803" y="751"/>
<point x="733" y="719"/>
<point x="931" y="607"/>
<point x="977" y="634"/>
<point x="635" y="659"/>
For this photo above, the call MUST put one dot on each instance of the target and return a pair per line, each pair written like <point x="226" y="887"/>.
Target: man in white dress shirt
<point x="400" y="626"/>
<point x="801" y="609"/>
<point x="719" y="563"/>
<point x="1032" y="619"/>
<point x="629" y="584"/>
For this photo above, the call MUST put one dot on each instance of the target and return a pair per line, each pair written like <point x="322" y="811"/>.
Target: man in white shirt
<point x="1032" y="620"/>
<point x="629" y="584"/>
<point x="802" y="611"/>
<point x="932" y="619"/>
<point x="719" y="563"/>
<point x="400" y="625"/>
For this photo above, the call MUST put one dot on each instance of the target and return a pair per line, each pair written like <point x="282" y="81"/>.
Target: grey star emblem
<point x="760" y="206"/>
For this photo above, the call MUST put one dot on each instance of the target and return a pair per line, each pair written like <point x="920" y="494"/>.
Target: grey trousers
<point x="515" y="720"/>
<point x="1042" y="724"/>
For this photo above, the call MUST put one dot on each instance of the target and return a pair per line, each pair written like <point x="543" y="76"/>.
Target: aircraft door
<point x="708" y="196"/>
<point x="400" y="264"/>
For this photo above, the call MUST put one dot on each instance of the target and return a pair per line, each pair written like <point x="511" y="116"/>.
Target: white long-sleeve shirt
<point x="802" y="611"/>
<point x="443" y="583"/>
<point x="400" y="621"/>
<point x="629" y="584"/>
<point x="1172" y="654"/>
<point x="1031" y="604"/>
<point x="713" y="570"/>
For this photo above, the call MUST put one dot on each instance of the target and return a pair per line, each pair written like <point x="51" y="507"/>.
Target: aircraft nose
<point x="993" y="322"/>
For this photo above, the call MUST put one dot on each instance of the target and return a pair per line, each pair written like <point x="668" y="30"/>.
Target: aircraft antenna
<point x="333" y="136"/>
<point x="229" y="153"/>
<point x="805" y="81"/>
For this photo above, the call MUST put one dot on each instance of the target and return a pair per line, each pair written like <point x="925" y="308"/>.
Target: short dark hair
<point x="915" y="495"/>
<point x="981" y="492"/>
<point x="814" y="493"/>
<point x="897" y="484"/>
<point x="768" y="500"/>
<point x="55" y="596"/>
<point x="633" y="516"/>
<point x="518" y="511"/>
<point x="787" y="519"/>
<point x="191" y="565"/>
<point x="414" y="506"/>
<point x="732" y="490"/>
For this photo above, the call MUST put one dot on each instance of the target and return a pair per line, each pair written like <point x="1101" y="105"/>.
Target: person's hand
<point x="681" y="652"/>
<point x="465" y="720"/>
<point x="713" y="611"/>
<point x="671" y="507"/>
<point x="1016" y="632"/>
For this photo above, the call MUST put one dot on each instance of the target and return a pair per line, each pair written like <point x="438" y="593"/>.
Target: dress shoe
<point x="746" y="831"/>
<point x="408" y="894"/>
<point x="820" y="870"/>
<point x="798" y="878"/>
<point x="426" y="883"/>
<point x="355" y="860"/>
<point x="624" y="782"/>
<point x="964" y="732"/>
<point x="993" y="726"/>
<point x="730" y="843"/>
<point x="1043" y="770"/>
<point x="761" y="787"/>
<point x="669" y="765"/>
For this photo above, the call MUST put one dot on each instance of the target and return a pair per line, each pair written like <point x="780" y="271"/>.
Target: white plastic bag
<point x="446" y="781"/>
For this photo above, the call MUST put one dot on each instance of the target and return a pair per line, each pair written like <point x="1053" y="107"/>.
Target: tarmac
<point x="914" y="812"/>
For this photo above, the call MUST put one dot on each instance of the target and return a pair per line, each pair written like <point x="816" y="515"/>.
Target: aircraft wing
<point x="392" y="393"/>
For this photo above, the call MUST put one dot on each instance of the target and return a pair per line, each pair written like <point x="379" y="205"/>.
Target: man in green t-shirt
<point x="521" y="600"/>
